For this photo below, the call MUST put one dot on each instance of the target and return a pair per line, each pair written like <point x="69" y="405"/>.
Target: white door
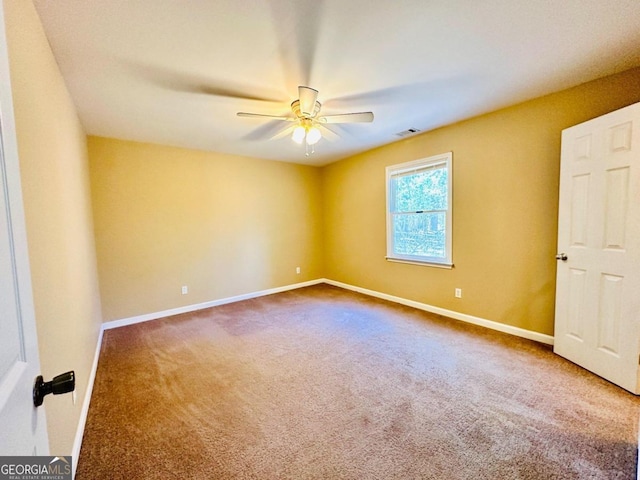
<point x="597" y="322"/>
<point x="22" y="426"/>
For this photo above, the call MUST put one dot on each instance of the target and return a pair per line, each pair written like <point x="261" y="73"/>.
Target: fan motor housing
<point x="295" y="107"/>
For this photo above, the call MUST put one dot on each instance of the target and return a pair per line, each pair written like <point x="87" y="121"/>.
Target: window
<point x="419" y="216"/>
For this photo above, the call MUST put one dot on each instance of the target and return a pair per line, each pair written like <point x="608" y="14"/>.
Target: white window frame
<point x="434" y="161"/>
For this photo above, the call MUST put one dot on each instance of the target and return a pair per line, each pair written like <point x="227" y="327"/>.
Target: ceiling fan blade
<point x="329" y="134"/>
<point x="307" y="97"/>
<point x="260" y="115"/>
<point x="284" y="133"/>
<point x="180" y="81"/>
<point x="348" y="118"/>
<point x="265" y="130"/>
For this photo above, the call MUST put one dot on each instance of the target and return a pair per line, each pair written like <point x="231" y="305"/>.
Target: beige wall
<point x="505" y="174"/>
<point x="55" y="182"/>
<point x="223" y="225"/>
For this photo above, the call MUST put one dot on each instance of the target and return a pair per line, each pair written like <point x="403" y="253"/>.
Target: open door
<point x="22" y="426"/>
<point x="597" y="322"/>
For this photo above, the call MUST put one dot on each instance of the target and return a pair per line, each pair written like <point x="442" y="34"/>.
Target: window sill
<point x="446" y="266"/>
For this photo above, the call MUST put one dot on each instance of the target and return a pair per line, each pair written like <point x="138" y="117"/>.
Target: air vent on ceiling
<point x="406" y="133"/>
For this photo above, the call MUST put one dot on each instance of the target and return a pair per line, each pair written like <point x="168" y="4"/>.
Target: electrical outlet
<point x="185" y="289"/>
<point x="458" y="293"/>
<point x="298" y="270"/>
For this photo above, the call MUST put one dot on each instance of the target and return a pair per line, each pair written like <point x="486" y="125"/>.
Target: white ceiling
<point x="175" y="72"/>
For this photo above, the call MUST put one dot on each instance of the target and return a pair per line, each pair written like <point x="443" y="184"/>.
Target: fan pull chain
<point x="306" y="149"/>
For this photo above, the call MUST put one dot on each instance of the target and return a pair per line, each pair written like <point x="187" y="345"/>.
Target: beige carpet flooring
<point x="323" y="383"/>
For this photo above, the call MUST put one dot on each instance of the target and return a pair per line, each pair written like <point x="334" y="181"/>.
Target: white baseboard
<point x="638" y="453"/>
<point x="199" y="306"/>
<point x="501" y="327"/>
<point x="82" y="421"/>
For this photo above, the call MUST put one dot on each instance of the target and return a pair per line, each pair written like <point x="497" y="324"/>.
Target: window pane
<point x="421" y="234"/>
<point x="426" y="190"/>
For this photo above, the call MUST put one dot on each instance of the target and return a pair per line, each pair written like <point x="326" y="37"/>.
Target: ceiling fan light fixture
<point x="298" y="134"/>
<point x="313" y="136"/>
<point x="306" y="110"/>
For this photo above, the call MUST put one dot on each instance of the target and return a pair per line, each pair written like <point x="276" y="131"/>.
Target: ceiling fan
<point x="307" y="120"/>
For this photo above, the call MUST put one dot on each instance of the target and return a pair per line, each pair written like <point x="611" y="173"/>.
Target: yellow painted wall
<point x="222" y="225"/>
<point x="55" y="183"/>
<point x="505" y="196"/>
